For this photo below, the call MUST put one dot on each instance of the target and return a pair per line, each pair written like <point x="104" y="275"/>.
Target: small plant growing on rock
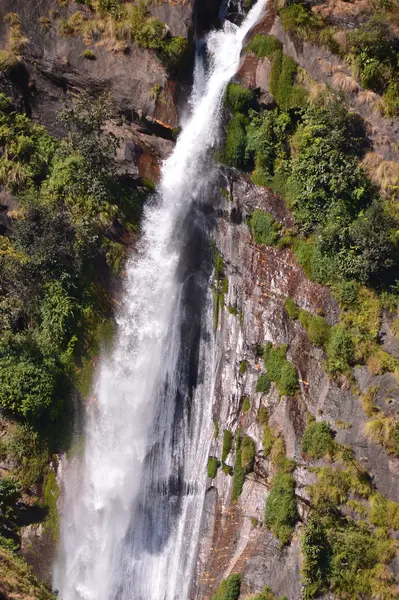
<point x="263" y="384"/>
<point x="264" y="227"/>
<point x="229" y="589"/>
<point x="246" y="404"/>
<point x="291" y="308"/>
<point x="89" y="54"/>
<point x="243" y="367"/>
<point x="227" y="444"/>
<point x="281" y="512"/>
<point x="264" y="45"/>
<point x="318" y="439"/>
<point x="213" y="465"/>
<point x="248" y="452"/>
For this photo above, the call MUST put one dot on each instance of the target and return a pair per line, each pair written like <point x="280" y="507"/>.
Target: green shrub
<point x="268" y="439"/>
<point x="267" y="143"/>
<point x="295" y="17"/>
<point x="282" y="77"/>
<point x="236" y="142"/>
<point x="239" y="470"/>
<point x="340" y="350"/>
<point x="264" y="227"/>
<point x="390" y="100"/>
<point x="248" y="453"/>
<point x="213" y="465"/>
<point x="215" y="429"/>
<point x="89" y="54"/>
<point x="318" y="439"/>
<point x="239" y="98"/>
<point x="281" y="513"/>
<point x="246" y="404"/>
<point x="317" y="328"/>
<point x="263" y="416"/>
<point x="227" y="444"/>
<point x="287" y="384"/>
<point x="229" y="589"/>
<point x="263" y="384"/>
<point x="346" y="558"/>
<point x="243" y="367"/>
<point x="291" y="308"/>
<point x="264" y="45"/>
<point x="51" y="493"/>
<point x="26" y="386"/>
<point x="265" y="594"/>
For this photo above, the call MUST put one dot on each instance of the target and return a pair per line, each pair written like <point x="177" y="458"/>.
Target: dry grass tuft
<point x="367" y="98"/>
<point x="325" y="66"/>
<point x="384" y="173"/>
<point x="345" y="83"/>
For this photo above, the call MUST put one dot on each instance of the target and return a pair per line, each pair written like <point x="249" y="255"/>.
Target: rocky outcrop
<point x="260" y="278"/>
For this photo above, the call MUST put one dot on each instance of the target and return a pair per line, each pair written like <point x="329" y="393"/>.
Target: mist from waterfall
<point x="132" y="504"/>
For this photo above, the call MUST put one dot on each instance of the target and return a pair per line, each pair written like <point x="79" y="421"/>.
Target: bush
<point x="248" y="453"/>
<point x="26" y="386"/>
<point x="291" y="308"/>
<point x="318" y="439"/>
<point x="282" y="77"/>
<point x="246" y="404"/>
<point x="243" y="367"/>
<point x="229" y="589"/>
<point x="317" y="328"/>
<point x="263" y="416"/>
<point x="89" y="54"/>
<point x="239" y="470"/>
<point x="264" y="45"/>
<point x="340" y="350"/>
<point x="281" y="513"/>
<point x="236" y="142"/>
<point x="268" y="439"/>
<point x="295" y="17"/>
<point x="213" y="465"/>
<point x="280" y="370"/>
<point x="287" y="384"/>
<point x="227" y="444"/>
<point x="264" y="227"/>
<point x="263" y="384"/>
<point x="239" y="98"/>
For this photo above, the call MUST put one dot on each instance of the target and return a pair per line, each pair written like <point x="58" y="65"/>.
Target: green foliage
<point x="375" y="54"/>
<point x="267" y="143"/>
<point x="10" y="491"/>
<point x="239" y="470"/>
<point x="26" y="386"/>
<point x="239" y="98"/>
<point x="265" y="594"/>
<point x="263" y="45"/>
<point x="215" y="429"/>
<point x="243" y="367"/>
<point x="263" y="384"/>
<point x="235" y="154"/>
<point x="263" y="416"/>
<point x="340" y="350"/>
<point x="317" y="328"/>
<point x="246" y="404"/>
<point x="268" y="439"/>
<point x="281" y="513"/>
<point x="229" y="589"/>
<point x="213" y="465"/>
<point x="282" y="78"/>
<point x="227" y="444"/>
<point x="280" y="370"/>
<point x="89" y="54"/>
<point x="318" y="439"/>
<point x="346" y="558"/>
<point x="248" y="452"/>
<point x="384" y="512"/>
<point x="51" y="493"/>
<point x="264" y="227"/>
<point x="330" y="195"/>
<point x="291" y="308"/>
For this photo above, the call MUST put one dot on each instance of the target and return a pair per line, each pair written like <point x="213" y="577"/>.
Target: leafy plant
<point x="265" y="228"/>
<point x="281" y="512"/>
<point x="318" y="439"/>
<point x="263" y="45"/>
<point x="213" y="465"/>
<point x="229" y="589"/>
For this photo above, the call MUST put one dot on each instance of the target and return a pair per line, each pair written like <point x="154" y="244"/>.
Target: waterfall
<point x="132" y="504"/>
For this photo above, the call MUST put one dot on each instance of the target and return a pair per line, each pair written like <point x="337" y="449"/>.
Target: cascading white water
<point x="132" y="506"/>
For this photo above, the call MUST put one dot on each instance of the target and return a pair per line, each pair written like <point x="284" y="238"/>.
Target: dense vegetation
<point x="229" y="589"/>
<point x="58" y="252"/>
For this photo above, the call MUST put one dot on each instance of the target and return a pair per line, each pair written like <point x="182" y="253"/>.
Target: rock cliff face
<point x="259" y="278"/>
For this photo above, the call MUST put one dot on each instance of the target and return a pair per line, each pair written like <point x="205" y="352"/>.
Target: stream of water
<point x="132" y="504"/>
